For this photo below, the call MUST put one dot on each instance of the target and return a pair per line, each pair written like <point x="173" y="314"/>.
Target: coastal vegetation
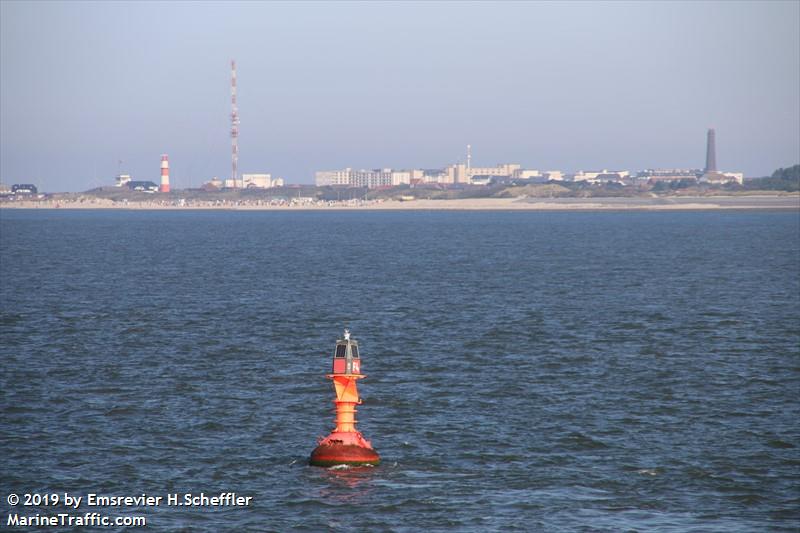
<point x="783" y="179"/>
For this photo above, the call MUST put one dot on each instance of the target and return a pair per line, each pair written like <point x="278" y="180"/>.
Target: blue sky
<point x="564" y="86"/>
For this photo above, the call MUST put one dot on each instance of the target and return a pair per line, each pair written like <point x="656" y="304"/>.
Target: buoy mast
<point x="345" y="445"/>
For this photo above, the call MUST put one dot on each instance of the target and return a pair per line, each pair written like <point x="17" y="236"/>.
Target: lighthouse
<point x="164" y="174"/>
<point x="345" y="445"/>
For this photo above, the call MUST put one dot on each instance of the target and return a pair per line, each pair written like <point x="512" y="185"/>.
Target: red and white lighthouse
<point x="164" y="174"/>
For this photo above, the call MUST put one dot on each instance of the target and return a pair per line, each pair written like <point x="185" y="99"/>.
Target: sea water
<point x="530" y="371"/>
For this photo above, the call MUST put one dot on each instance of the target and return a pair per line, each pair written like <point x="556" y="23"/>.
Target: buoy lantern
<point x="345" y="445"/>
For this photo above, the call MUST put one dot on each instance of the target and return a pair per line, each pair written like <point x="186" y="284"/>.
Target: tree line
<point x="783" y="179"/>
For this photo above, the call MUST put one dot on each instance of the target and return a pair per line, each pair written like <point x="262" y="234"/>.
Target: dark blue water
<point x="527" y="371"/>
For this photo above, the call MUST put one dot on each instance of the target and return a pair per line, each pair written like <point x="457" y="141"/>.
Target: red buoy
<point x="345" y="445"/>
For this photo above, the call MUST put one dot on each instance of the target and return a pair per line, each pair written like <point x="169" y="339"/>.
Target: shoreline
<point x="672" y="203"/>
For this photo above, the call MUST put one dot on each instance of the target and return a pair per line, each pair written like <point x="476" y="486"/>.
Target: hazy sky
<point x="564" y="86"/>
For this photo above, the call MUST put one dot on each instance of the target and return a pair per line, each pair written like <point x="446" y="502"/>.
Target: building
<point x="479" y="179"/>
<point x="122" y="180"/>
<point x="553" y="175"/>
<point x="721" y="178"/>
<point x="143" y="186"/>
<point x="246" y="181"/>
<point x="372" y="179"/>
<point x="213" y="184"/>
<point x="461" y="173"/>
<point x="256" y="181"/>
<point x="324" y="178"/>
<point x="654" y="175"/>
<point x="260" y="181"/>
<point x="401" y="177"/>
<point x="522" y="174"/>
<point x="418" y="175"/>
<point x="595" y="176"/>
<point x="24" y="188"/>
<point x="432" y="175"/>
<point x="379" y="177"/>
<point x="387" y="177"/>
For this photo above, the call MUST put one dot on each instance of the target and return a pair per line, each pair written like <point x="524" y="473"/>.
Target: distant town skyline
<point x="90" y="90"/>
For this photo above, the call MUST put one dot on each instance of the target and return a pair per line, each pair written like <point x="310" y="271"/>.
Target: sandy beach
<point x="786" y="201"/>
<point x="618" y="204"/>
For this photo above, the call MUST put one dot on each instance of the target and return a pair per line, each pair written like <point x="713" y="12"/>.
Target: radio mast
<point x="234" y="128"/>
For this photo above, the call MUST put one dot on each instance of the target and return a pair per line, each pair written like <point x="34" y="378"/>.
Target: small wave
<point x="9" y="319"/>
<point x="747" y="499"/>
<point x="629" y="326"/>
<point x="211" y="426"/>
<point x="351" y="467"/>
<point x="579" y="441"/>
<point x="185" y="386"/>
<point x="120" y="410"/>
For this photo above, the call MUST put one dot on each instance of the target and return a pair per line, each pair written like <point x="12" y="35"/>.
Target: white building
<point x="122" y="180"/>
<point x="668" y="174"/>
<point x="387" y="177"/>
<point x="246" y="181"/>
<point x="592" y="175"/>
<point x="324" y="178"/>
<point x="214" y="183"/>
<point x="722" y="177"/>
<point x="401" y="177"/>
<point x="432" y="175"/>
<point x="460" y="173"/>
<point x="379" y="177"/>
<point x="522" y="174"/>
<point x="554" y="175"/>
<point x="259" y="181"/>
<point x="738" y="177"/>
<point x="256" y="181"/>
<point x="480" y="180"/>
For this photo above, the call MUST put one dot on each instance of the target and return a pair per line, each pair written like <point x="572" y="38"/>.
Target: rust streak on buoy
<point x="345" y="445"/>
